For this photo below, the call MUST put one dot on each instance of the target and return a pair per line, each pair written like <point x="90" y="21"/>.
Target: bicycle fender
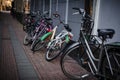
<point x="71" y="46"/>
<point x="67" y="39"/>
<point x="45" y="36"/>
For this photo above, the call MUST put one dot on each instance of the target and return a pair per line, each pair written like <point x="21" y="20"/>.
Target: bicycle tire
<point x="41" y="43"/>
<point x="71" y="70"/>
<point x="33" y="44"/>
<point x="38" y="45"/>
<point x="35" y="41"/>
<point x="27" y="39"/>
<point x="53" y="52"/>
<point x="105" y="70"/>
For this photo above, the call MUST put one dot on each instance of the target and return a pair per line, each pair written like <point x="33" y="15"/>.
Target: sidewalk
<point x="17" y="62"/>
<point x="20" y="58"/>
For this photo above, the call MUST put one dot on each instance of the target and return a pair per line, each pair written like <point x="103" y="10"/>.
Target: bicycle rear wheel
<point x="72" y="63"/>
<point x="114" y="56"/>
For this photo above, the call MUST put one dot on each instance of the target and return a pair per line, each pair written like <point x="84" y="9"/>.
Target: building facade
<point x="5" y="4"/>
<point x="22" y="5"/>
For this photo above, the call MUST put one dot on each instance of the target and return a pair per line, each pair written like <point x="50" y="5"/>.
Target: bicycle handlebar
<point x="66" y="26"/>
<point x="77" y="9"/>
<point x="81" y="11"/>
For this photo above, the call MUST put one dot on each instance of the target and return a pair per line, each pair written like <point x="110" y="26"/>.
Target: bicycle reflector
<point x="48" y="29"/>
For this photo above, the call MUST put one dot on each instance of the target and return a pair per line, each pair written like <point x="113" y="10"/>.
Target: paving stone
<point x="22" y="61"/>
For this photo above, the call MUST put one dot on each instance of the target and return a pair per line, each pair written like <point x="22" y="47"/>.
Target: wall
<point x="110" y="16"/>
<point x="19" y="5"/>
<point x="73" y="20"/>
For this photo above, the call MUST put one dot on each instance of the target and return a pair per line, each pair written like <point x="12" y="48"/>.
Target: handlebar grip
<point x="75" y="8"/>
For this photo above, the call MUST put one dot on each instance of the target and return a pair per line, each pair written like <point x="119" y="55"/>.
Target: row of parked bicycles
<point x="90" y="55"/>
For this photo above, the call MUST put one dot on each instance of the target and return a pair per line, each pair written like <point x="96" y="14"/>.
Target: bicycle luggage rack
<point x="115" y="44"/>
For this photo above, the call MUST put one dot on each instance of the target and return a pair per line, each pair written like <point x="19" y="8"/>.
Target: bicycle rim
<point x="52" y="52"/>
<point x="27" y="39"/>
<point x="71" y="64"/>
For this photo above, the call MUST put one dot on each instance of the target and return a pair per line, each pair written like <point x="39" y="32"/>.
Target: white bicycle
<point x="57" y="43"/>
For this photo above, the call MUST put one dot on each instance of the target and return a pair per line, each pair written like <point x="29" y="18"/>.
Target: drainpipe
<point x="50" y="8"/>
<point x="96" y="21"/>
<point x="66" y="13"/>
<point x="33" y="5"/>
<point x="57" y="6"/>
<point x="43" y="5"/>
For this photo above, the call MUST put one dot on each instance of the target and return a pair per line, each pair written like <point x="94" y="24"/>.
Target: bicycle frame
<point x="38" y="28"/>
<point x="41" y="28"/>
<point x="59" y="37"/>
<point x="49" y="33"/>
<point x="92" y="58"/>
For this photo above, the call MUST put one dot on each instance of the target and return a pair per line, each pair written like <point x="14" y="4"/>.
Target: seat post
<point x="101" y="54"/>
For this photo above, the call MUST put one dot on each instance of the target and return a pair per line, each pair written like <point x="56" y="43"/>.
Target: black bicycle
<point x="90" y="55"/>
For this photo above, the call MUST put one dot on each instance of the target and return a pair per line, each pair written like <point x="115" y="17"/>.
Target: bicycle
<point x="42" y="39"/>
<point x="81" y="59"/>
<point x="59" y="42"/>
<point x="29" y="20"/>
<point x="36" y="29"/>
<point x="44" y="27"/>
<point x="30" y="23"/>
<point x="55" y="43"/>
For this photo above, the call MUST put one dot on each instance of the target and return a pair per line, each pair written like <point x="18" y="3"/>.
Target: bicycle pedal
<point x="85" y="62"/>
<point x="85" y="75"/>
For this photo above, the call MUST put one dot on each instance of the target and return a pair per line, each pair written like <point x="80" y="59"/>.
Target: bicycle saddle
<point x="106" y="33"/>
<point x="67" y="27"/>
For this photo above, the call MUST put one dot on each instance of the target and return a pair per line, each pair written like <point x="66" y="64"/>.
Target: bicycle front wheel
<point x="36" y="39"/>
<point x="53" y="51"/>
<point x="27" y="39"/>
<point x="114" y="57"/>
<point x="71" y="64"/>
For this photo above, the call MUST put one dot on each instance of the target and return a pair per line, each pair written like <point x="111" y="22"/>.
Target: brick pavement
<point x="14" y="64"/>
<point x="45" y="70"/>
<point x="8" y="69"/>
